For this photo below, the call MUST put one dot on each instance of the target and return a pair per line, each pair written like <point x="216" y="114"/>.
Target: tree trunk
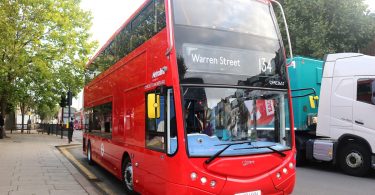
<point x="22" y="107"/>
<point x="3" y="104"/>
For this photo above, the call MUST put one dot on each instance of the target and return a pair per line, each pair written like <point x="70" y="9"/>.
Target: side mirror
<point x="153" y="106"/>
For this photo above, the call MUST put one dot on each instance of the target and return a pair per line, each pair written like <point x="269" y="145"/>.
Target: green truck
<point x="305" y="82"/>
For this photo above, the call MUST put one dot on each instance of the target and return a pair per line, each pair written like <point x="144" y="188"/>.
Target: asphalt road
<point x="314" y="179"/>
<point x="105" y="181"/>
<point x="324" y="179"/>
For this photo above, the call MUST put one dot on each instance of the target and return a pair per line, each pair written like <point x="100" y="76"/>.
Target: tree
<point x="321" y="27"/>
<point x="44" y="46"/>
<point x="46" y="113"/>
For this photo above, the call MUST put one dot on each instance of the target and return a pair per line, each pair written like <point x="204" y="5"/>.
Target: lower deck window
<point x="99" y="120"/>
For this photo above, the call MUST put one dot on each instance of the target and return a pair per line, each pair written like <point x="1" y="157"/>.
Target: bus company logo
<point x="248" y="162"/>
<point x="160" y="72"/>
<point x="277" y="83"/>
<point x="151" y="85"/>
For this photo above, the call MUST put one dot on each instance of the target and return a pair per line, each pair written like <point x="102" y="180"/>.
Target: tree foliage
<point x="44" y="46"/>
<point x="321" y="27"/>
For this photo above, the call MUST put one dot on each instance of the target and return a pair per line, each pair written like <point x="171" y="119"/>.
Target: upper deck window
<point x="144" y="26"/>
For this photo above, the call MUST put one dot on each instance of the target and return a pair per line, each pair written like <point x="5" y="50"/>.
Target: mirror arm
<point x="286" y="27"/>
<point x="170" y="28"/>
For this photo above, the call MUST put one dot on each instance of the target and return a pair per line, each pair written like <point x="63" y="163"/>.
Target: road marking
<point x="68" y="155"/>
<point x="102" y="186"/>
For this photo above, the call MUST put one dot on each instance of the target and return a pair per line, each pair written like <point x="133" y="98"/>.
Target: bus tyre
<point x="355" y="160"/>
<point x="127" y="176"/>
<point x="89" y="154"/>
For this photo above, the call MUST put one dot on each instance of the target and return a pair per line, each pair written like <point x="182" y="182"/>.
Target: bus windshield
<point x="215" y="117"/>
<point x="237" y="40"/>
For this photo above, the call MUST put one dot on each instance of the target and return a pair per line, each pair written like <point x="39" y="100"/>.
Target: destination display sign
<point x="221" y="60"/>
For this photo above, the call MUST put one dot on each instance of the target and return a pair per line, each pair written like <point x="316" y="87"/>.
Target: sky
<point x="109" y="15"/>
<point x="371" y="4"/>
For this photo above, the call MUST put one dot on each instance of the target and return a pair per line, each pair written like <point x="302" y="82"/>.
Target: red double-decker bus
<point x="78" y="120"/>
<point x="192" y="97"/>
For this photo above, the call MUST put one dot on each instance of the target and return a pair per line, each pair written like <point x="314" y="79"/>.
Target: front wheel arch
<point x="350" y="138"/>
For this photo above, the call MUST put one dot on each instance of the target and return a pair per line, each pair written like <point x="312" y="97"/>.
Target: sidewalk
<point x="30" y="164"/>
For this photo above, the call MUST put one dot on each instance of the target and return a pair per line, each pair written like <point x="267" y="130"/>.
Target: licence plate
<point x="258" y="192"/>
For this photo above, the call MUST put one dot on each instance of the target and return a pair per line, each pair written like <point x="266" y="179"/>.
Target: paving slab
<point x="65" y="192"/>
<point x="30" y="192"/>
<point x="31" y="164"/>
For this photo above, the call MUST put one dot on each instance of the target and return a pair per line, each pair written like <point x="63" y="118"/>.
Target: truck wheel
<point x="355" y="160"/>
<point x="127" y="176"/>
<point x="89" y="154"/>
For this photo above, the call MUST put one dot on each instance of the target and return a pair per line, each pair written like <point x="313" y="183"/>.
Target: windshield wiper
<point x="222" y="150"/>
<point x="269" y="147"/>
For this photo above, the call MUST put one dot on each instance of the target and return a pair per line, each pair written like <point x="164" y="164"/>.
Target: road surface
<point x="317" y="179"/>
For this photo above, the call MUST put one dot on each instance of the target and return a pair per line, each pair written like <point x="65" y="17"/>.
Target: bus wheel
<point x="127" y="176"/>
<point x="89" y="154"/>
<point x="355" y="160"/>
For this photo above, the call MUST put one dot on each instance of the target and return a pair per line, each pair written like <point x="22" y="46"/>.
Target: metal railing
<point x="54" y="129"/>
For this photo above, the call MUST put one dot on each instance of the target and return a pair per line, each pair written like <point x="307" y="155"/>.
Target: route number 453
<point x="265" y="65"/>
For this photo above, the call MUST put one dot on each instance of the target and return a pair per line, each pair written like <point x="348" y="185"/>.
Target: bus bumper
<point x="264" y="186"/>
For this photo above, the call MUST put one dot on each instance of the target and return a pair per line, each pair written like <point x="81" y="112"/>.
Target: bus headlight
<point x="193" y="176"/>
<point x="203" y="180"/>
<point x="291" y="165"/>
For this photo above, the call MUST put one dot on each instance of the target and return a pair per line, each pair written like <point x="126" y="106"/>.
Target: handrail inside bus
<point x="171" y="43"/>
<point x="286" y="27"/>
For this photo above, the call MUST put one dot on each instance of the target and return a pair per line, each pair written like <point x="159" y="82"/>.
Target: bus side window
<point x="88" y="120"/>
<point x="100" y="120"/>
<point x="155" y="129"/>
<point x="172" y="126"/>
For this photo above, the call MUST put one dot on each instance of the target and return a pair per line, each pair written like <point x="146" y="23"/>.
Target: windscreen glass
<point x="216" y="117"/>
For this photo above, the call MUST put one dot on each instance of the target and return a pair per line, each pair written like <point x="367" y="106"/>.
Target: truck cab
<point x="346" y="113"/>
